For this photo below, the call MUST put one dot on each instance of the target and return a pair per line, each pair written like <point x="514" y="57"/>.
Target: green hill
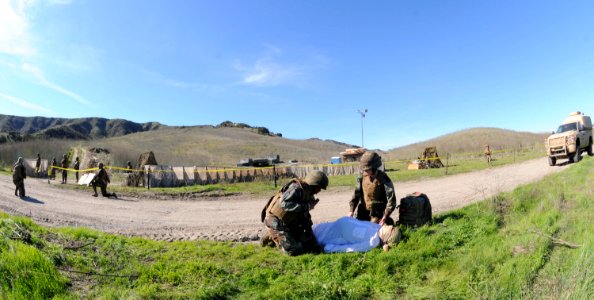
<point x="471" y="140"/>
<point x="15" y="128"/>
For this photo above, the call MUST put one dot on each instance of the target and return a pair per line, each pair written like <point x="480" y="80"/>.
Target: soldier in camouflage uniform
<point x="101" y="179"/>
<point x="18" y="178"/>
<point x="64" y="165"/>
<point x="374" y="198"/>
<point x="76" y="167"/>
<point x="287" y="218"/>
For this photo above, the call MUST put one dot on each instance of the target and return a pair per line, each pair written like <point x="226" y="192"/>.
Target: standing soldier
<point x="64" y="165"/>
<point x="38" y="165"/>
<point x="76" y="167"/>
<point x="18" y="178"/>
<point x="287" y="218"/>
<point x="101" y="179"/>
<point x="488" y="154"/>
<point x="53" y="169"/>
<point x="374" y="198"/>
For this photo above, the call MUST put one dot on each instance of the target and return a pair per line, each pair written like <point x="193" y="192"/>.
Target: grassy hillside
<point x="532" y="243"/>
<point x="215" y="146"/>
<point x="471" y="140"/>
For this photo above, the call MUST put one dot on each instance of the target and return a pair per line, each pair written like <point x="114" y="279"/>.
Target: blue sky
<point x="302" y="68"/>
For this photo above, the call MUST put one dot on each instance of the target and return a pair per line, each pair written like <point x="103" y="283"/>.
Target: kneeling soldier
<point x="102" y="179"/>
<point x="287" y="218"/>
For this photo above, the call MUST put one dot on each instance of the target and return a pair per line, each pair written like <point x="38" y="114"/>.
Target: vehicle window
<point x="567" y="127"/>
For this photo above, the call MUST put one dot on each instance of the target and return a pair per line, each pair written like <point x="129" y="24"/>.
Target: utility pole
<point x="362" y="113"/>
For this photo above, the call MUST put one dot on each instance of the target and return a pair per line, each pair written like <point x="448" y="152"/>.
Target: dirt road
<point x="236" y="218"/>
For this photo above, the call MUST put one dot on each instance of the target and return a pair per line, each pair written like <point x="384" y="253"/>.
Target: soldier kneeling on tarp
<point x="101" y="179"/>
<point x="287" y="218"/>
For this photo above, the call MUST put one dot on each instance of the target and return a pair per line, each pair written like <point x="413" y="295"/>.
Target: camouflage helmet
<point x="100" y="165"/>
<point x="390" y="234"/>
<point x="317" y="178"/>
<point x="370" y="160"/>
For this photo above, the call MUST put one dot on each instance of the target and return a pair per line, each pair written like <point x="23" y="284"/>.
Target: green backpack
<point x="414" y="210"/>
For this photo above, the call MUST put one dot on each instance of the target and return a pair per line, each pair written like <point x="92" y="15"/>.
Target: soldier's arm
<point x="390" y="197"/>
<point x="291" y="200"/>
<point x="356" y="197"/>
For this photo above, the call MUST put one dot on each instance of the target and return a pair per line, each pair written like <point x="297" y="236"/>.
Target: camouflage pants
<point x="364" y="215"/>
<point x="19" y="188"/>
<point x="293" y="240"/>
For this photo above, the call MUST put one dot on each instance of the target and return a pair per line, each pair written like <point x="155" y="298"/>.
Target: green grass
<point x="495" y="249"/>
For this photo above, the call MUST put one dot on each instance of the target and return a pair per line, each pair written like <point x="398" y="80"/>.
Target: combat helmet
<point x="317" y="178"/>
<point x="370" y="160"/>
<point x="390" y="234"/>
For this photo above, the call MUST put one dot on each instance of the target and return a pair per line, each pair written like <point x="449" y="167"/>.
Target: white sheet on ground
<point x="347" y="235"/>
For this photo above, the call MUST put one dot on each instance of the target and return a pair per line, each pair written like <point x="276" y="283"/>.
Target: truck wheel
<point x="590" y="153"/>
<point x="577" y="154"/>
<point x="552" y="161"/>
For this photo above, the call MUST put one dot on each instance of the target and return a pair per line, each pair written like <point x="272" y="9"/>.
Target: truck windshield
<point x="567" y="127"/>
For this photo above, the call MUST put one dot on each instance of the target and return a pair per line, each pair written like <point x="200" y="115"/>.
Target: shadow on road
<point x="32" y="200"/>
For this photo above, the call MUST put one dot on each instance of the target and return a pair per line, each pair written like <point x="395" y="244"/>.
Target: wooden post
<point x="447" y="162"/>
<point x="274" y="174"/>
<point x="148" y="178"/>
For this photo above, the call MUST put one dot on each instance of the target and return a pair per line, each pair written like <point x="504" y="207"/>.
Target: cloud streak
<point x="26" y="104"/>
<point x="38" y="74"/>
<point x="271" y="70"/>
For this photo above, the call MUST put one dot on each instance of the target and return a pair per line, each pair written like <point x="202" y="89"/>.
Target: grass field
<point x="532" y="243"/>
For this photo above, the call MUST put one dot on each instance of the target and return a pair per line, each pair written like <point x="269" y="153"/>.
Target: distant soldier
<point x="19" y="174"/>
<point x="287" y="218"/>
<point x="101" y="179"/>
<point x="488" y="155"/>
<point x="53" y="169"/>
<point x="76" y="167"/>
<point x="38" y="166"/>
<point x="64" y="165"/>
<point x="374" y="198"/>
<point x="130" y="177"/>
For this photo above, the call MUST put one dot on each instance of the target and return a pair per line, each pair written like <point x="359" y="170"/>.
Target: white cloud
<point x="27" y="104"/>
<point x="14" y="28"/>
<point x="266" y="72"/>
<point x="271" y="70"/>
<point x="38" y="74"/>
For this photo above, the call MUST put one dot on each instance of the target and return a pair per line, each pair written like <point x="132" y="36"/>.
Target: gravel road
<point x="236" y="218"/>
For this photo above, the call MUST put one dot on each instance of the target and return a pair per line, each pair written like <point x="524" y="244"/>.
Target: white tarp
<point x="86" y="179"/>
<point x="347" y="235"/>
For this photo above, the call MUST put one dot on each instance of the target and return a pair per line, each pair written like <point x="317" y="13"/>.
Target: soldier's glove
<point x="313" y="203"/>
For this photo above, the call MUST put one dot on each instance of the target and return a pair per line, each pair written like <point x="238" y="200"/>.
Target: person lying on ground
<point x="351" y="235"/>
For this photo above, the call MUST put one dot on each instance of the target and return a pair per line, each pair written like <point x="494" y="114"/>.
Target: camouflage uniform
<point x="76" y="167"/>
<point x="286" y="215"/>
<point x="64" y="165"/>
<point x="53" y="170"/>
<point x="19" y="174"/>
<point x="102" y="179"/>
<point x="374" y="198"/>
<point x="38" y="165"/>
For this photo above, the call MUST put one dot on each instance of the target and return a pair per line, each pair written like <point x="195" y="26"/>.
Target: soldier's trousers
<point x="19" y="188"/>
<point x="293" y="240"/>
<point x="103" y="187"/>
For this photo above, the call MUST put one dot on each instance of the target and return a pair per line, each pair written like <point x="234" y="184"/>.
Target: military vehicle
<point x="573" y="137"/>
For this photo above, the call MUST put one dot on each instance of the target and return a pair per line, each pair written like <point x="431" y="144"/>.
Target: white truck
<point x="573" y="137"/>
